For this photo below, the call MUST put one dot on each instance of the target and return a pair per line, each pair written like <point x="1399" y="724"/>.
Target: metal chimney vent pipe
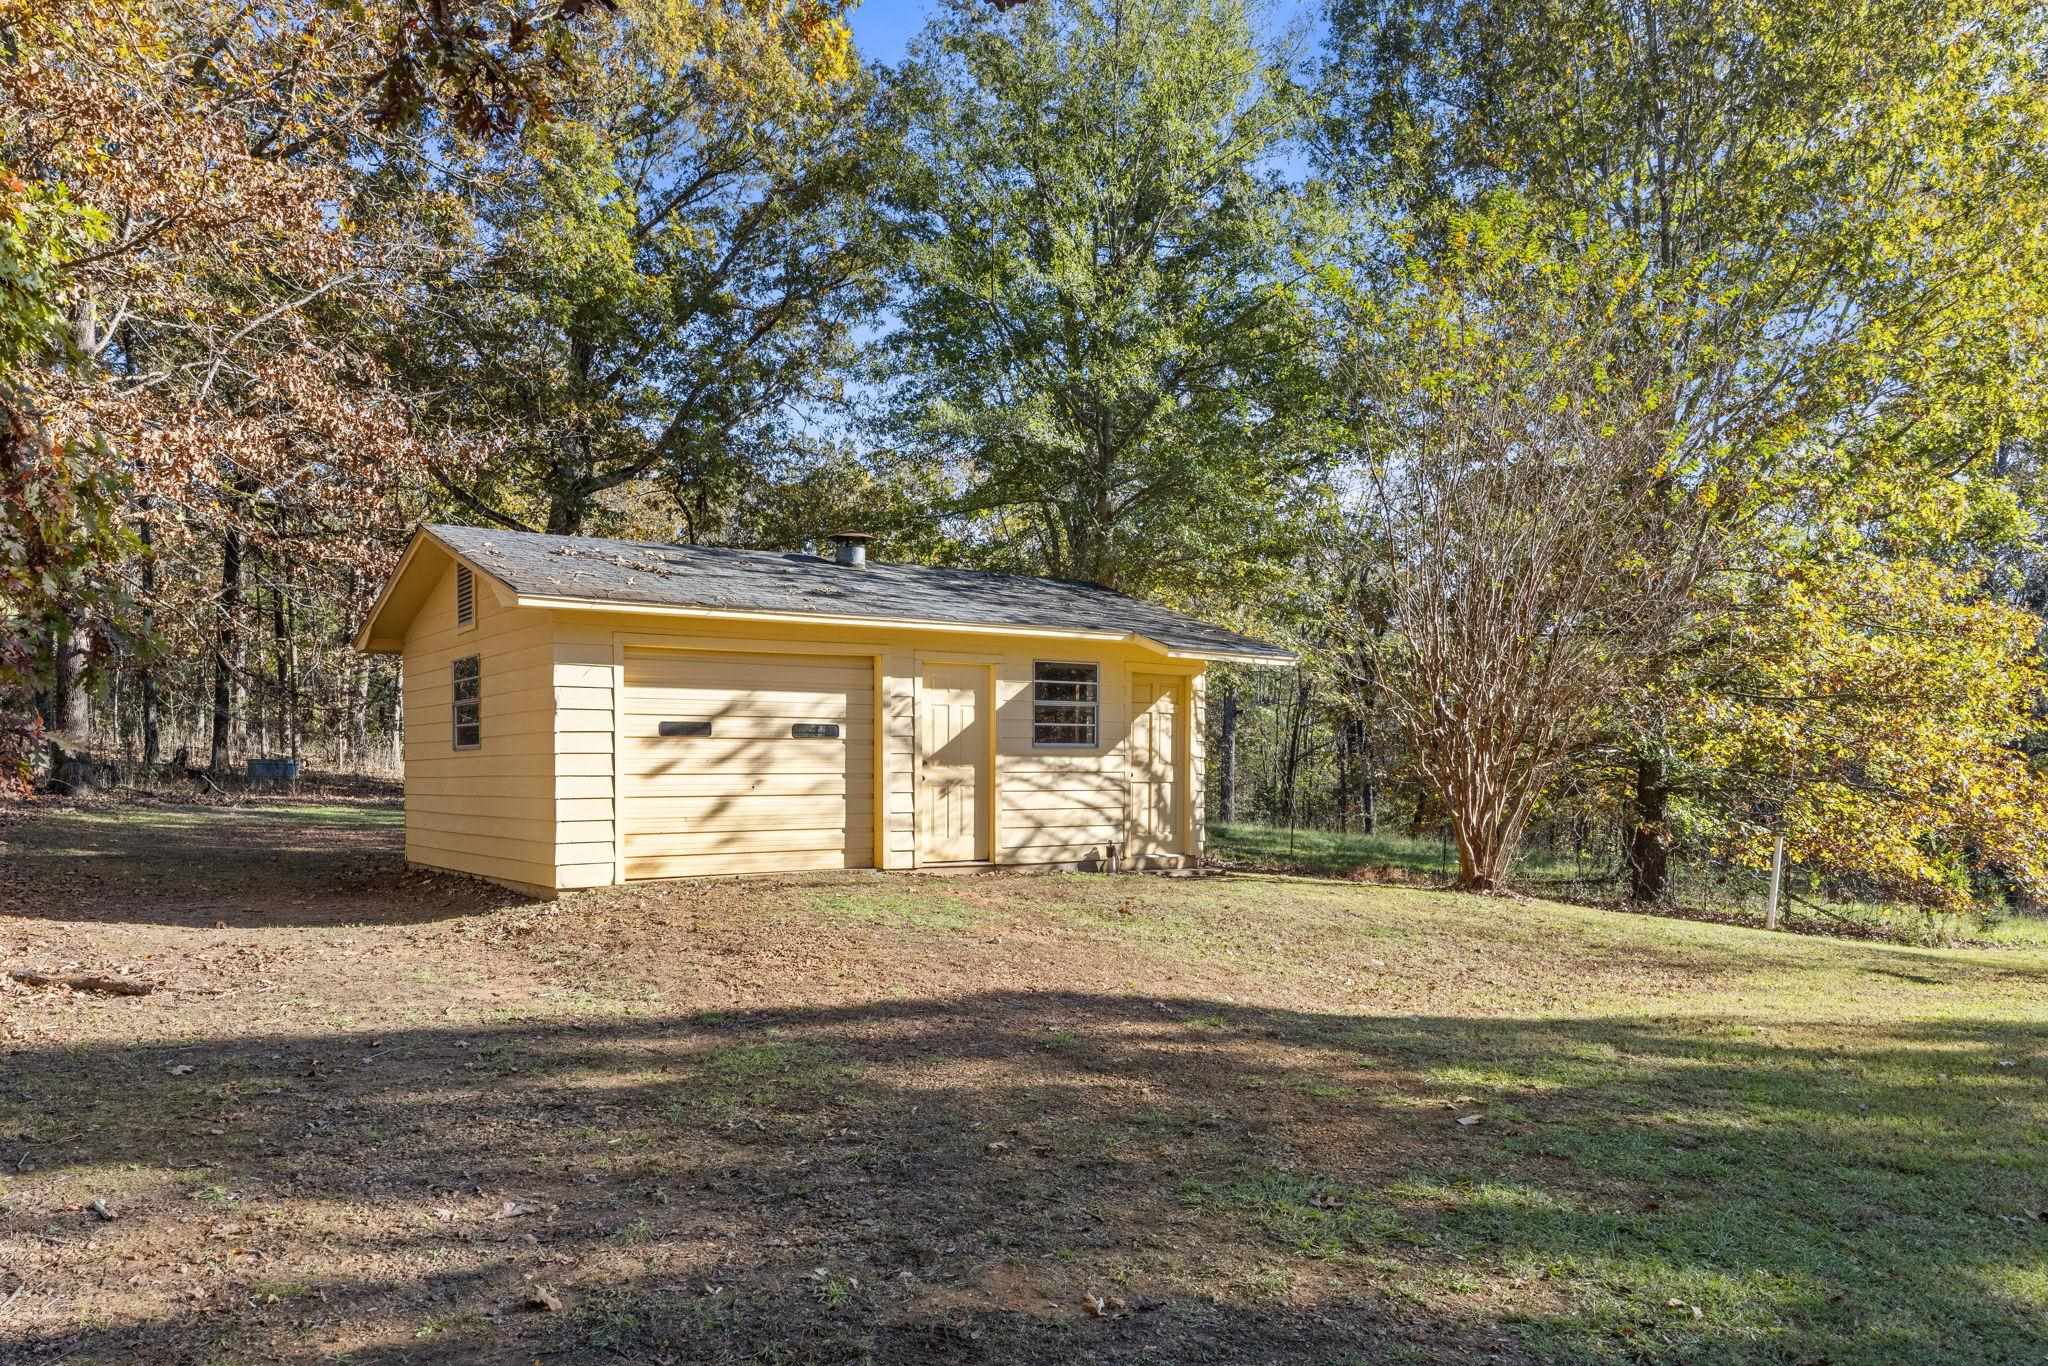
<point x="852" y="548"/>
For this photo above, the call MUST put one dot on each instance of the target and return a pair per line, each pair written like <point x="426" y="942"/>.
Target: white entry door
<point x="1155" y="764"/>
<point x="952" y="764"/>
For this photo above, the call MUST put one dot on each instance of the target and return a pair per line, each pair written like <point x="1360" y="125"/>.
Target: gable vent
<point x="465" y="596"/>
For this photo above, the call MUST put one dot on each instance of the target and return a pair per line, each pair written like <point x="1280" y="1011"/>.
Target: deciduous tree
<point x="1871" y="710"/>
<point x="1103" y="332"/>
<point x="216" y="327"/>
<point x="1840" y="210"/>
<point x="1529" y="578"/>
<point x="59" y="499"/>
<point x="640" y="290"/>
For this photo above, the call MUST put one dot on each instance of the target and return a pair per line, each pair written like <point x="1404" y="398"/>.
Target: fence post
<point x="1777" y="878"/>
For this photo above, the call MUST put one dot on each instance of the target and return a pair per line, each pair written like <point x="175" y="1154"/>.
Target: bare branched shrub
<point x="1538" y="550"/>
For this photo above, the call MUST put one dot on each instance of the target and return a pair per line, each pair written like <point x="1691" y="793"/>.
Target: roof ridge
<point x="599" y="570"/>
<point x="1095" y="584"/>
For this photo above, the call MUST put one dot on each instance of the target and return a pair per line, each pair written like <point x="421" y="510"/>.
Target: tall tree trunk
<point x="359" y="715"/>
<point x="72" y="646"/>
<point x="281" y="644"/>
<point x="48" y="700"/>
<point x="398" y="716"/>
<point x="568" y="506"/>
<point x="114" y="707"/>
<point x="1226" y="760"/>
<point x="1649" y="844"/>
<point x="293" y="720"/>
<point x="1342" y="734"/>
<point x="1354" y="774"/>
<point x="1368" y="783"/>
<point x="356" y="733"/>
<point x="252" y="717"/>
<point x="152" y="740"/>
<point x="1290" y="773"/>
<point x="1424" y="802"/>
<point x="226" y="647"/>
<point x="150" y="701"/>
<point x="256" y="720"/>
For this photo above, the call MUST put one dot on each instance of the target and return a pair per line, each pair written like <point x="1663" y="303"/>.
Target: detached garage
<point x="581" y="712"/>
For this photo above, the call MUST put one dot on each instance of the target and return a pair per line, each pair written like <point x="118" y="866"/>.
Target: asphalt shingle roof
<point x="593" y="569"/>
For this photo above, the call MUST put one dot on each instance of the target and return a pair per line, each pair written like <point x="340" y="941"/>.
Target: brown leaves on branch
<point x="218" y="333"/>
<point x="487" y="66"/>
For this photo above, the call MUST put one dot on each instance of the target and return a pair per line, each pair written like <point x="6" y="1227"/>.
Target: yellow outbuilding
<point x="581" y="711"/>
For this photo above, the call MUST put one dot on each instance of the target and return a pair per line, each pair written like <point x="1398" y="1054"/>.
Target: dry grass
<point x="865" y="1118"/>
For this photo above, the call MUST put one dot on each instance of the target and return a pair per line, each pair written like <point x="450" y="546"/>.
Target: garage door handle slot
<point x="685" y="728"/>
<point x="814" y="730"/>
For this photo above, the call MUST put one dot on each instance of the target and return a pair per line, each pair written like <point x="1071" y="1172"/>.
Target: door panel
<point x="754" y="794"/>
<point x="952" y="736"/>
<point x="1155" y="748"/>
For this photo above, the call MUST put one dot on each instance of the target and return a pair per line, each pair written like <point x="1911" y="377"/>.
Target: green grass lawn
<point x="1324" y="853"/>
<point x="1689" y="1142"/>
<point x="926" y="1120"/>
<point x="1328" y="853"/>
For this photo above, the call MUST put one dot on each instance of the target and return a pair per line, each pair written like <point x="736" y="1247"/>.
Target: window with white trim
<point x="465" y="596"/>
<point x="1066" y="705"/>
<point x="469" y="702"/>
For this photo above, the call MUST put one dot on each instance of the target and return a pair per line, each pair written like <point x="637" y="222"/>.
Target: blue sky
<point x="883" y="28"/>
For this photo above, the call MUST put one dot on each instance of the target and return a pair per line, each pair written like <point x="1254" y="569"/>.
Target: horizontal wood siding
<point x="1061" y="805"/>
<point x="1198" y="766"/>
<point x="586" y="773"/>
<point x="750" y="783"/>
<point x="487" y="810"/>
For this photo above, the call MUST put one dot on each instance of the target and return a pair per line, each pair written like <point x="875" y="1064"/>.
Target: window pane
<point x="1064" y="704"/>
<point x="467" y="712"/>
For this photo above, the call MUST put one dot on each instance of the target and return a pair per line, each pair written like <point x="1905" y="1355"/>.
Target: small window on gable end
<point x="1066" y="705"/>
<point x="465" y="596"/>
<point x="469" y="703"/>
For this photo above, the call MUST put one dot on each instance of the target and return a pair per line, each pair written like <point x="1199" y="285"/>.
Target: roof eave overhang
<point x="1267" y="661"/>
<point x="658" y="609"/>
<point x="366" y="634"/>
<point x="368" y="639"/>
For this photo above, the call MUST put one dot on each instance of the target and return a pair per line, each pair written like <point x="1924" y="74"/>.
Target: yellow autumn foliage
<point x="1874" y="708"/>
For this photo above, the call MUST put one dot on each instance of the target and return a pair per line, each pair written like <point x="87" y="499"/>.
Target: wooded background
<point x="1631" y="411"/>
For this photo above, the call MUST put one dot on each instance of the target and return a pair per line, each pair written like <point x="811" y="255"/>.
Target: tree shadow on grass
<point x="255" y="867"/>
<point x="967" y="1179"/>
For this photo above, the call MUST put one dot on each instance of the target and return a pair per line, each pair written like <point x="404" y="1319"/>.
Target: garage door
<point x="746" y="763"/>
